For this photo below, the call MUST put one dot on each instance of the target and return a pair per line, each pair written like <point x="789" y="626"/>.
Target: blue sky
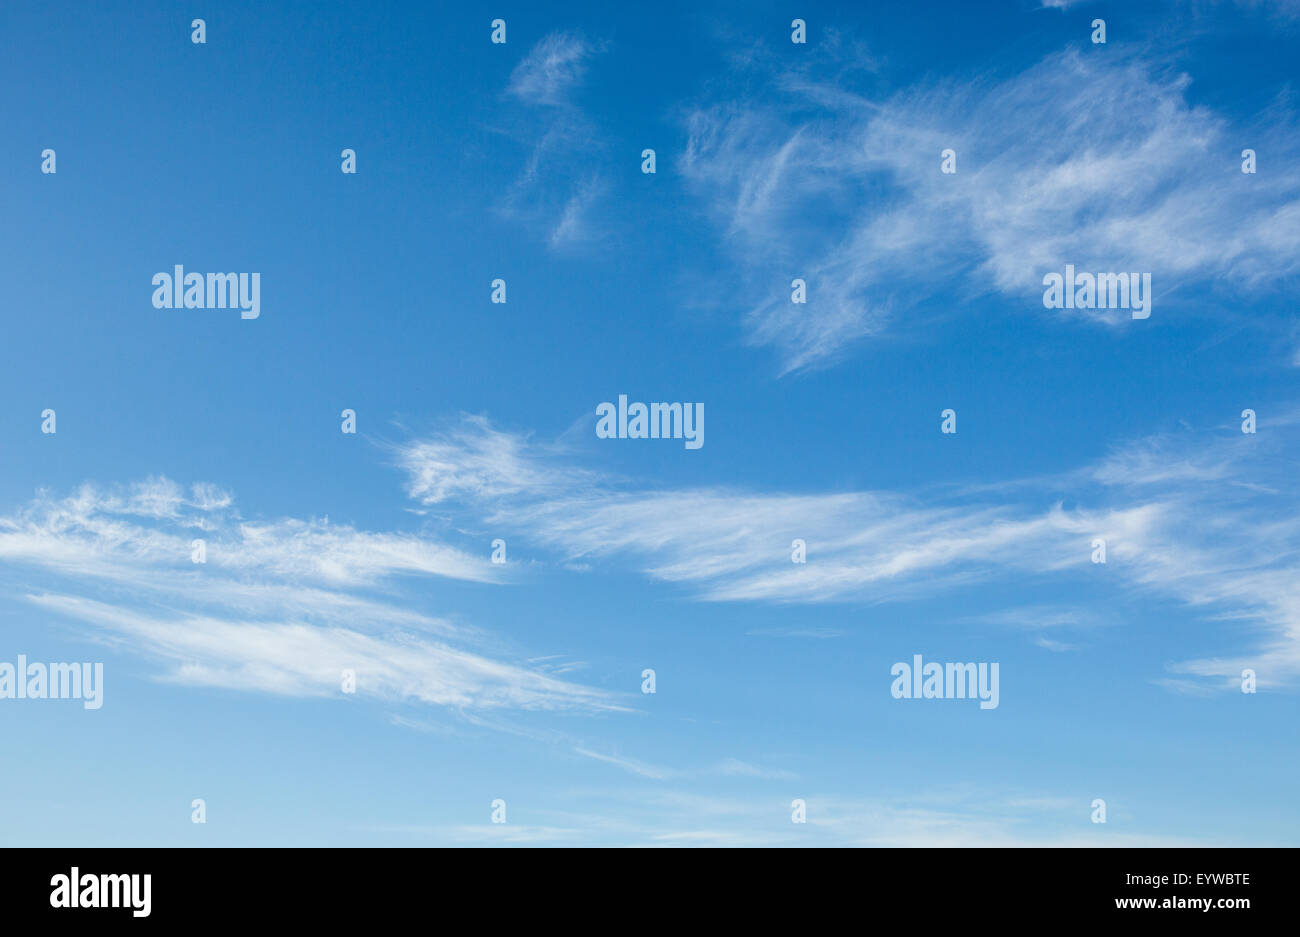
<point x="476" y="421"/>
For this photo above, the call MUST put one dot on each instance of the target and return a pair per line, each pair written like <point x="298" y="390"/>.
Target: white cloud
<point x="299" y="659"/>
<point x="575" y="224"/>
<point x="1097" y="161"/>
<point x="474" y="460"/>
<point x="561" y="182"/>
<point x="734" y="767"/>
<point x="670" y="817"/>
<point x="1209" y="525"/>
<point x="121" y="531"/>
<point x="281" y="607"/>
<point x="732" y="544"/>
<point x="630" y="765"/>
<point x="551" y="70"/>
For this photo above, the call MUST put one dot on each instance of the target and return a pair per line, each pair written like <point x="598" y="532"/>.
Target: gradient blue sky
<point x="476" y="421"/>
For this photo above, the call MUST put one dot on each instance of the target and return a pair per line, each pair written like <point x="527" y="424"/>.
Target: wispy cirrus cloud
<point x="732" y="544"/>
<point x="1214" y="528"/>
<point x="561" y="181"/>
<point x="551" y="70"/>
<point x="672" y="817"/>
<point x="151" y="525"/>
<point x="734" y="767"/>
<point x="475" y="460"/>
<point x="630" y="765"/>
<point x="1098" y="161"/>
<point x="279" y="607"/>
